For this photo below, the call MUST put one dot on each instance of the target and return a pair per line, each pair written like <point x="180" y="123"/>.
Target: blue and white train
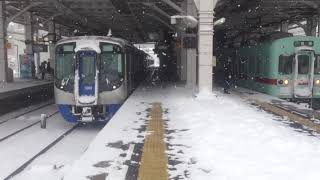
<point x="94" y="75"/>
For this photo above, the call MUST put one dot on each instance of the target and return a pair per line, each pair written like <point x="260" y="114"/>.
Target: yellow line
<point x="154" y="158"/>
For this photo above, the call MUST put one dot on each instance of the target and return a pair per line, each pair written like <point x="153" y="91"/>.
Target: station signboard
<point x="40" y="48"/>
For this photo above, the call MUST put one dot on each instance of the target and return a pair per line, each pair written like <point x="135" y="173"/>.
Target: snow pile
<point x="221" y="138"/>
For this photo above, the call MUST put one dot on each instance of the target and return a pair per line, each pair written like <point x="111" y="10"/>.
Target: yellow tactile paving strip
<point x="154" y="159"/>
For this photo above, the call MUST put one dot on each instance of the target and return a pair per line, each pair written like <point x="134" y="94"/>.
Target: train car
<point x="94" y="75"/>
<point x="287" y="68"/>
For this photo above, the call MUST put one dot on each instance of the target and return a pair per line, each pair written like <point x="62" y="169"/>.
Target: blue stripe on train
<point x="66" y="113"/>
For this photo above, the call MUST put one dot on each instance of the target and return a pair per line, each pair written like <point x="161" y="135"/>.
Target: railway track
<point x="310" y="120"/>
<point x="26" y="112"/>
<point x="42" y="151"/>
<point x="25" y="128"/>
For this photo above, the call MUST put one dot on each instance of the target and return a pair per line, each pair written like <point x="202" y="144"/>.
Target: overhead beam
<point x="155" y="8"/>
<point x="67" y="10"/>
<point x="31" y="5"/>
<point x="174" y="6"/>
<point x="143" y="35"/>
<point x="52" y="17"/>
<point x="160" y="20"/>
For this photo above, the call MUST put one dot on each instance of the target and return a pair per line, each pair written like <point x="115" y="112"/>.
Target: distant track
<point x="44" y="150"/>
<point x="25" y="128"/>
<point x="24" y="113"/>
<point x="312" y="122"/>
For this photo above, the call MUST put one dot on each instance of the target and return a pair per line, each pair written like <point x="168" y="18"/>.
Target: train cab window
<point x="303" y="64"/>
<point x="88" y="69"/>
<point x="111" y="65"/>
<point x="317" y="65"/>
<point x="285" y="64"/>
<point x="65" y="65"/>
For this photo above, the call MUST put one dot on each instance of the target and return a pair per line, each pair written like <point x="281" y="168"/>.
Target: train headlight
<point x="286" y="82"/>
<point x="280" y="82"/>
<point x="318" y="82"/>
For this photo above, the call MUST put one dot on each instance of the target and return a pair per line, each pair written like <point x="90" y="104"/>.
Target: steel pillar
<point x="191" y="52"/>
<point x="52" y="40"/>
<point x="183" y="61"/>
<point x="311" y="26"/>
<point x="28" y="32"/>
<point x="3" y="49"/>
<point x="37" y="57"/>
<point x="205" y="46"/>
<point x="284" y="26"/>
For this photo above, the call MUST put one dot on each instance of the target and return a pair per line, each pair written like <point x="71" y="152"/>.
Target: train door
<point x="87" y="78"/>
<point x="129" y="70"/>
<point x="303" y="74"/>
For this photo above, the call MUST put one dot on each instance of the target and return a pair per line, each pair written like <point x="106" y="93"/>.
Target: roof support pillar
<point x="52" y="40"/>
<point x="37" y="54"/>
<point x="205" y="46"/>
<point x="311" y="27"/>
<point x="284" y="26"/>
<point x="3" y="49"/>
<point x="191" y="50"/>
<point x="28" y="32"/>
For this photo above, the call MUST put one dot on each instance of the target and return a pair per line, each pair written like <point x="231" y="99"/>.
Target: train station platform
<point x="21" y="86"/>
<point x="22" y="92"/>
<point x="169" y="133"/>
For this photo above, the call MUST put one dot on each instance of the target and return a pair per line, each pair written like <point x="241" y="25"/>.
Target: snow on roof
<point x="114" y="40"/>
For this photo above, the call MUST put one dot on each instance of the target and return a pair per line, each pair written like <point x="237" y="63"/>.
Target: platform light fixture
<point x="219" y="21"/>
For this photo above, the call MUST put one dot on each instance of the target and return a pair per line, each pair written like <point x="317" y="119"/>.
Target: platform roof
<point x="137" y="19"/>
<point x="262" y="15"/>
<point x="132" y="19"/>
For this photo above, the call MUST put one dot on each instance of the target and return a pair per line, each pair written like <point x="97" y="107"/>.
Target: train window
<point x="111" y="65"/>
<point x="303" y="64"/>
<point x="317" y="65"/>
<point x="107" y="48"/>
<point x="88" y="69"/>
<point x="285" y="64"/>
<point x="303" y="43"/>
<point x="68" y="48"/>
<point x="65" y="64"/>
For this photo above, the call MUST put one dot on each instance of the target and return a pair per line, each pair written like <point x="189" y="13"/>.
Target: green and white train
<point x="287" y="68"/>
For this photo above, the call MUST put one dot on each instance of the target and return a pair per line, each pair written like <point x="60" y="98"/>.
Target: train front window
<point x="285" y="64"/>
<point x="88" y="69"/>
<point x="111" y="66"/>
<point x="64" y="67"/>
<point x="303" y="64"/>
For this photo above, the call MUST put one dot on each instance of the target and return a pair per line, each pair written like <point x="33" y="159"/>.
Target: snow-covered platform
<point x="20" y="86"/>
<point x="208" y="137"/>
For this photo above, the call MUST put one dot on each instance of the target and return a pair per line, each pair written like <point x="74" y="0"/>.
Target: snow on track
<point x="22" y="111"/>
<point x="53" y="164"/>
<point x="20" y="148"/>
<point x="25" y="120"/>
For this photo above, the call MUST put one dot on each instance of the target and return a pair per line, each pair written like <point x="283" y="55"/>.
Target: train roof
<point x="282" y="40"/>
<point x="119" y="41"/>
